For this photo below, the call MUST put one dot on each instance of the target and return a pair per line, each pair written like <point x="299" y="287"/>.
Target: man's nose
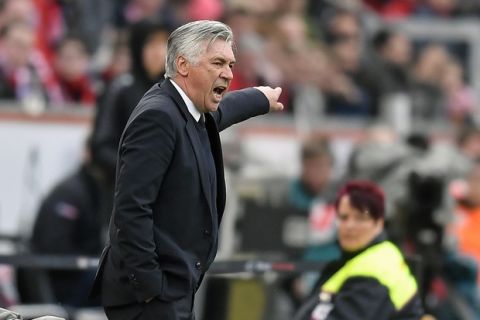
<point x="227" y="73"/>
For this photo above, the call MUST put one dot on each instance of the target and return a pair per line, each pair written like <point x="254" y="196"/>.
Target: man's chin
<point x="213" y="107"/>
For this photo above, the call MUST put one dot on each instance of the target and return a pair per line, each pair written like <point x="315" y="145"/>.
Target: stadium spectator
<point x="387" y="70"/>
<point x="25" y="75"/>
<point x="313" y="194"/>
<point x="69" y="223"/>
<point x="119" y="62"/>
<point x="343" y="35"/>
<point x="147" y="45"/>
<point x="316" y="169"/>
<point x="253" y="67"/>
<point x="427" y="96"/>
<point x="288" y="47"/>
<point x="71" y="65"/>
<point x="372" y="279"/>
<point x="44" y="16"/>
<point x="463" y="259"/>
<point x="461" y="102"/>
<point x="466" y="222"/>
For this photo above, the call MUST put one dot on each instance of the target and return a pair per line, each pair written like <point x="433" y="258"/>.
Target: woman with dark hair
<point x="147" y="45"/>
<point x="371" y="280"/>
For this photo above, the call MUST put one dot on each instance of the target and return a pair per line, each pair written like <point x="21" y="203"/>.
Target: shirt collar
<point x="191" y="107"/>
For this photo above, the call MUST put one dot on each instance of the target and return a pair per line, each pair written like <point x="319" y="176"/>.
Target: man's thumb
<point x="278" y="91"/>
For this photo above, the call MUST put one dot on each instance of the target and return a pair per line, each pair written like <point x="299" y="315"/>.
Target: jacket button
<point x="206" y="232"/>
<point x="198" y="265"/>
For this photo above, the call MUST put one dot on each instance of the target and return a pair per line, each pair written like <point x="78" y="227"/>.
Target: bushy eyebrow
<point x="222" y="59"/>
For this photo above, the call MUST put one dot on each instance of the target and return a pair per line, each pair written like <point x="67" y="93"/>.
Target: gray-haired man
<point x="170" y="188"/>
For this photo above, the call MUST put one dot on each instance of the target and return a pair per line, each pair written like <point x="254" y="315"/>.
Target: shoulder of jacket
<point x="156" y="107"/>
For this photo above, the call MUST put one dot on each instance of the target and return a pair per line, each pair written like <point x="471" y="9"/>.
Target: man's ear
<point x="183" y="66"/>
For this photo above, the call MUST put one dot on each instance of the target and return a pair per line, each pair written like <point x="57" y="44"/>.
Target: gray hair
<point x="191" y="40"/>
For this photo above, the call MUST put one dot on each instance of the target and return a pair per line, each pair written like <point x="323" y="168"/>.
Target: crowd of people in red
<point x="64" y="54"/>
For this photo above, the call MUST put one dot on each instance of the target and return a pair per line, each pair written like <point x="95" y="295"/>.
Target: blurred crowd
<point x="343" y="58"/>
<point x="347" y="58"/>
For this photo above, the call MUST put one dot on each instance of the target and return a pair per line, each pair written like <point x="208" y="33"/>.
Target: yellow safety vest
<point x="383" y="262"/>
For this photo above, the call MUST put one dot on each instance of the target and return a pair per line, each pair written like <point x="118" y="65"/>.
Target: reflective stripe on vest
<point x="383" y="262"/>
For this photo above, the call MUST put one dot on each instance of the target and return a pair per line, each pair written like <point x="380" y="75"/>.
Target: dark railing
<point x="67" y="262"/>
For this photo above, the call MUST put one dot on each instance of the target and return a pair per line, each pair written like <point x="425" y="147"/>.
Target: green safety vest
<point x="383" y="262"/>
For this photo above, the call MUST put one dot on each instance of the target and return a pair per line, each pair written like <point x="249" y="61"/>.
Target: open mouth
<point x="219" y="90"/>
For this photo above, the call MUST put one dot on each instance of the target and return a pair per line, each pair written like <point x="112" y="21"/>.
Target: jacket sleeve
<point x="362" y="299"/>
<point x="240" y="105"/>
<point x="144" y="156"/>
<point x="54" y="228"/>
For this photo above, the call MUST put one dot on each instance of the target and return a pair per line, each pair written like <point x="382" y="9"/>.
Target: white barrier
<point x="36" y="153"/>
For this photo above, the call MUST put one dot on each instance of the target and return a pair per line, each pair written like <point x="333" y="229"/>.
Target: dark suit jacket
<point x="163" y="230"/>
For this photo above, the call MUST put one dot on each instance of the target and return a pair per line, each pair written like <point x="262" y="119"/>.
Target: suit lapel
<point x="195" y="141"/>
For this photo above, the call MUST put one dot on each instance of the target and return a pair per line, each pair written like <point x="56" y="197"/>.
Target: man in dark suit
<point x="170" y="188"/>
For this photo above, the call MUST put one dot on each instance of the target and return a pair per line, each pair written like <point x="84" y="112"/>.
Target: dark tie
<point x="203" y="134"/>
<point x="207" y="152"/>
<point x="212" y="174"/>
<point x="201" y="121"/>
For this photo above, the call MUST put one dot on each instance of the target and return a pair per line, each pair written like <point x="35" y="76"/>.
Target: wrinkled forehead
<point x="219" y="47"/>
